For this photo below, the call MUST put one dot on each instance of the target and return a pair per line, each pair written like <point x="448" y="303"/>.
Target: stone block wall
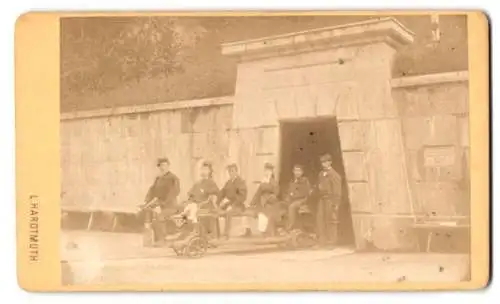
<point x="108" y="162"/>
<point x="435" y="129"/>
<point x="404" y="142"/>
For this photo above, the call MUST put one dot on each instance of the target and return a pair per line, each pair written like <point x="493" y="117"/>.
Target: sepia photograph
<point x="264" y="149"/>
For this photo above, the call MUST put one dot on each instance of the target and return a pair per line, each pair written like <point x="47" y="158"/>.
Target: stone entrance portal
<point x="341" y="71"/>
<point x="302" y="142"/>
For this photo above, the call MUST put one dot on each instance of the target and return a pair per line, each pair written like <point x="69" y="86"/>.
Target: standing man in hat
<point x="330" y="193"/>
<point x="162" y="199"/>
<point x="231" y="198"/>
<point x="298" y="193"/>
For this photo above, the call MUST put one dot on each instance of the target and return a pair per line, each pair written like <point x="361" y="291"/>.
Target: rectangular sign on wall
<point x="439" y="156"/>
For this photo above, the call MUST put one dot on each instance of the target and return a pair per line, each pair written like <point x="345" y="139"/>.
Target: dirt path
<point x="116" y="259"/>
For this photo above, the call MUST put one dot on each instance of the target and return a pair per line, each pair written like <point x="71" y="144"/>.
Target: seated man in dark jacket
<point x="204" y="195"/>
<point x="232" y="197"/>
<point x="265" y="199"/>
<point x="298" y="193"/>
<point x="162" y="199"/>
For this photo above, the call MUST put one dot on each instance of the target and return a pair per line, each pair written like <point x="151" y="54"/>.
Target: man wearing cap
<point x="203" y="195"/>
<point x="232" y="197"/>
<point x="298" y="193"/>
<point x="330" y="192"/>
<point x="205" y="189"/>
<point x="162" y="198"/>
<point x="265" y="201"/>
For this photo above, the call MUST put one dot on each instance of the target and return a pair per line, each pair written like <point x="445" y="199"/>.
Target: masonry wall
<point x="349" y="84"/>
<point x="108" y="163"/>
<point x="436" y="138"/>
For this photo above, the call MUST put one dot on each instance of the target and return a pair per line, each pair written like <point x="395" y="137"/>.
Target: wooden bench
<point x="93" y="211"/>
<point x="439" y="225"/>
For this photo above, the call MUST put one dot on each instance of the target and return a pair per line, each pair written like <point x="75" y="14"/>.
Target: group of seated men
<point x="230" y="200"/>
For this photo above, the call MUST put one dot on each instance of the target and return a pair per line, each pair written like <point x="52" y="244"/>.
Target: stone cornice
<point x="387" y="30"/>
<point x="430" y="79"/>
<point x="148" y="108"/>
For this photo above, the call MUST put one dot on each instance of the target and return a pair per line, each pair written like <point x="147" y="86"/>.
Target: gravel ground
<point x="106" y="258"/>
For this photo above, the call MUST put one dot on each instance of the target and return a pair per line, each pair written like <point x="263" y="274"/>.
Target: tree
<point x="119" y="61"/>
<point x="98" y="54"/>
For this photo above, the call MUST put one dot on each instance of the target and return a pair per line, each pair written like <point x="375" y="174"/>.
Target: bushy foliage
<point x="108" y="62"/>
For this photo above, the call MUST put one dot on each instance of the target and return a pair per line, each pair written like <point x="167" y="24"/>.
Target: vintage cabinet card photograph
<point x="282" y="151"/>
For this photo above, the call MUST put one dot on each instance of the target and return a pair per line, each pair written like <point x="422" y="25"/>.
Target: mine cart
<point x="192" y="240"/>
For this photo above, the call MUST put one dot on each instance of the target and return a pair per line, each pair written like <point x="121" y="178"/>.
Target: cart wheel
<point x="178" y="252"/>
<point x="196" y="247"/>
<point x="301" y="239"/>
